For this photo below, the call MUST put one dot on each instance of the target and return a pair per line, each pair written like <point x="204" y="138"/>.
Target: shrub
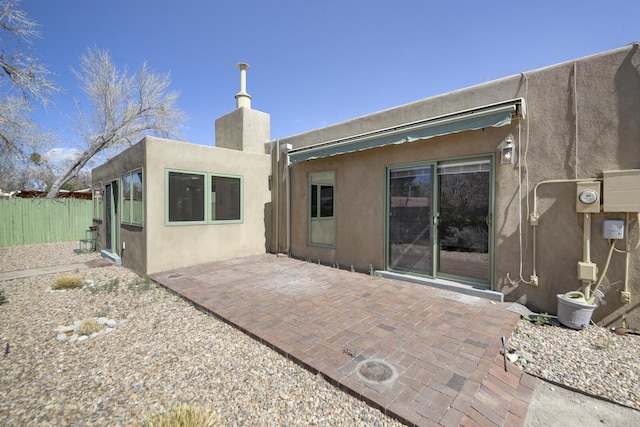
<point x="185" y="416"/>
<point x="67" y="282"/>
<point x="88" y="326"/>
<point x="3" y="299"/>
<point x="112" y="285"/>
<point x="140" y="286"/>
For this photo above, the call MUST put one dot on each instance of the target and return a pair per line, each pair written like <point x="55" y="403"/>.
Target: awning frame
<point x="496" y="115"/>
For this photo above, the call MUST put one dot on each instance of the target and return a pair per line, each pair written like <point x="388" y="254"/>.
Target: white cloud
<point x="61" y="154"/>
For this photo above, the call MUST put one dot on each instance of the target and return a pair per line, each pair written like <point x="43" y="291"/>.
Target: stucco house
<point x="164" y="204"/>
<point x="517" y="189"/>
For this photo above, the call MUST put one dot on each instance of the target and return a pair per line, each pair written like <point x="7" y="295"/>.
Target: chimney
<point x="243" y="99"/>
<point x="243" y="129"/>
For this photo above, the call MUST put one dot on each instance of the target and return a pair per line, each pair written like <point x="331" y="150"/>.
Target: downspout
<point x="277" y="185"/>
<point x="285" y="149"/>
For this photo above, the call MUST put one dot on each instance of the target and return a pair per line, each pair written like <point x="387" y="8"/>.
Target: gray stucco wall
<point x="134" y="256"/>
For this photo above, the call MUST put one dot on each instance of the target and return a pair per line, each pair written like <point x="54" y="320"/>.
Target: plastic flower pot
<point x="573" y="310"/>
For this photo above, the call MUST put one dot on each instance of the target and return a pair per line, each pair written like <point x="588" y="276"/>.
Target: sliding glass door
<point x="464" y="219"/>
<point x="410" y="245"/>
<point x="439" y="219"/>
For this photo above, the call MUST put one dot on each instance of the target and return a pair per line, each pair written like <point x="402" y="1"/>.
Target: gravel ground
<point x="593" y="360"/>
<point x="163" y="353"/>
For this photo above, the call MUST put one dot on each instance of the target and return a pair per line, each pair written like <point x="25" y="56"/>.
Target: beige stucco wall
<point x="175" y="246"/>
<point x="583" y="118"/>
<point x="243" y="129"/>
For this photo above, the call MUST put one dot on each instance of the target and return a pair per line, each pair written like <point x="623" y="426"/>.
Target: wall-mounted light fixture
<point x="508" y="152"/>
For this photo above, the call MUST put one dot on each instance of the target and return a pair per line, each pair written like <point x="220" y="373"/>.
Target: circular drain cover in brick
<point x="377" y="371"/>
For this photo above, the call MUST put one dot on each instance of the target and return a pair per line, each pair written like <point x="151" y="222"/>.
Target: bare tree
<point x="21" y="142"/>
<point x="23" y="69"/>
<point x="124" y="108"/>
<point x="22" y="78"/>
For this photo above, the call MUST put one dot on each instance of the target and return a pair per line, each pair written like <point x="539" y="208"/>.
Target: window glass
<point x="98" y="190"/>
<point x="314" y="201"/>
<point x="225" y="198"/>
<point x="137" y="207"/>
<point x="186" y="197"/>
<point x="126" y="198"/>
<point x="326" y="201"/>
<point x="322" y="223"/>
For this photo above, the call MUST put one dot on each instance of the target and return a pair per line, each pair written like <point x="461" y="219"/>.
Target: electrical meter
<point x="588" y="200"/>
<point x="588" y="196"/>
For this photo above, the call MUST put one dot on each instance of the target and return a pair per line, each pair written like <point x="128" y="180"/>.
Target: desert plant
<point x="88" y="326"/>
<point x="112" y="285"/>
<point x="185" y="416"/>
<point x="3" y="299"/>
<point x="68" y="282"/>
<point x="103" y="312"/>
<point x="543" y="319"/>
<point x="608" y="343"/>
<point x="139" y="285"/>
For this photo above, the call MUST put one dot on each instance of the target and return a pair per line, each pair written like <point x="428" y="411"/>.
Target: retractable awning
<point x="495" y="115"/>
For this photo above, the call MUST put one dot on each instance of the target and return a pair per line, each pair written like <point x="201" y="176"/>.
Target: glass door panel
<point x="464" y="219"/>
<point x="410" y="220"/>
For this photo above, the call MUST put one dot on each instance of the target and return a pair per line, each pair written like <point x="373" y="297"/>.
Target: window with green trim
<point x="132" y="203"/>
<point x="322" y="221"/>
<point x="225" y="198"/>
<point x="186" y="197"/>
<point x="203" y="198"/>
<point x="98" y="191"/>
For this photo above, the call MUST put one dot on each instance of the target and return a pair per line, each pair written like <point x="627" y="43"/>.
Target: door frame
<point x="435" y="261"/>
<point x="112" y="216"/>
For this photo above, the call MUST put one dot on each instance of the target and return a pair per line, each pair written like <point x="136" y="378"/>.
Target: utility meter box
<point x="613" y="229"/>
<point x="588" y="197"/>
<point x="621" y="191"/>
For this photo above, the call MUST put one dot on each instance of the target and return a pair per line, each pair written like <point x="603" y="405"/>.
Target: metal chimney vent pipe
<point x="243" y="99"/>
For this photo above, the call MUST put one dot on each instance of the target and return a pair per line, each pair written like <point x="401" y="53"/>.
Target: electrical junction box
<point x="613" y="229"/>
<point x="621" y="191"/>
<point x="587" y="271"/>
<point x="588" y="197"/>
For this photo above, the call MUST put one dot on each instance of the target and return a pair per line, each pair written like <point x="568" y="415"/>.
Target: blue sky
<point x="315" y="63"/>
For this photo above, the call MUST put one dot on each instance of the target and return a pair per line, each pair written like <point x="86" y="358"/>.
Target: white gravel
<point x="164" y="353"/>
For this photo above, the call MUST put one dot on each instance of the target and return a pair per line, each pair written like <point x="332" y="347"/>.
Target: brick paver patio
<point x="441" y="348"/>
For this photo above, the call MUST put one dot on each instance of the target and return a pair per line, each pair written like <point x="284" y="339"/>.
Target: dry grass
<point x="184" y="416"/>
<point x="68" y="282"/>
<point x="88" y="326"/>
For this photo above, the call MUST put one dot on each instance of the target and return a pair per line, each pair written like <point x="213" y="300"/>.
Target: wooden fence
<point x="26" y="221"/>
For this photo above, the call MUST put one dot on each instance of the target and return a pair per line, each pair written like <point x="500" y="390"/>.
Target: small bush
<point x="3" y="299"/>
<point x="111" y="286"/>
<point x="543" y="319"/>
<point x="68" y="282"/>
<point x="184" y="416"/>
<point x="141" y="285"/>
<point x="88" y="326"/>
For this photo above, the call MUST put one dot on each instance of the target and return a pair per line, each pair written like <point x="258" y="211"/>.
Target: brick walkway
<point x="442" y="348"/>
